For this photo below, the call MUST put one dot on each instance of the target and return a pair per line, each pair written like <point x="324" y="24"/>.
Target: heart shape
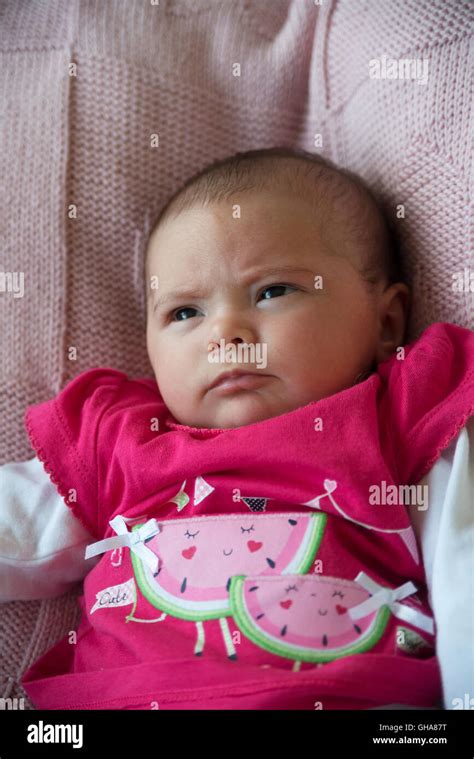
<point x="286" y="604"/>
<point x="330" y="485"/>
<point x="341" y="609"/>
<point x="254" y="546"/>
<point x="188" y="553"/>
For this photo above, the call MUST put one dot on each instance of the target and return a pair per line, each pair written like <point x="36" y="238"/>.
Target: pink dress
<point x="269" y="566"/>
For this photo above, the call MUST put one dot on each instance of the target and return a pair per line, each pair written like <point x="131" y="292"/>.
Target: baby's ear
<point x="394" y="307"/>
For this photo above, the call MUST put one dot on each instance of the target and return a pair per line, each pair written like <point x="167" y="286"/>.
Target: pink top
<point x="261" y="579"/>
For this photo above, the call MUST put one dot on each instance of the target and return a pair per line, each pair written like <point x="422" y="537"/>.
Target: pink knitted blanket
<point x="107" y="107"/>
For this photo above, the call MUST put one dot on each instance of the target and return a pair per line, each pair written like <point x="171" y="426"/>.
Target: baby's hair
<point x="306" y="175"/>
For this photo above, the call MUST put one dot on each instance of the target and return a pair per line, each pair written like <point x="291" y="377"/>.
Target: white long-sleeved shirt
<point x="42" y="547"/>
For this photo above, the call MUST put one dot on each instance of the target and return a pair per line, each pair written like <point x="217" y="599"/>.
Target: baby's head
<point x="283" y="254"/>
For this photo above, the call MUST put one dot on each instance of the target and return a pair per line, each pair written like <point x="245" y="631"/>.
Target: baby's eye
<point x="291" y="587"/>
<point x="249" y="529"/>
<point x="279" y="288"/>
<point x="188" y="534"/>
<point x="338" y="593"/>
<point x="181" y="311"/>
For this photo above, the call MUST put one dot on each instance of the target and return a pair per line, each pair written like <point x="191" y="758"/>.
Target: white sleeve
<point x="42" y="543"/>
<point x="445" y="532"/>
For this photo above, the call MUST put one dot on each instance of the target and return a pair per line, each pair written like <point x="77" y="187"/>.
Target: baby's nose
<point x="214" y="344"/>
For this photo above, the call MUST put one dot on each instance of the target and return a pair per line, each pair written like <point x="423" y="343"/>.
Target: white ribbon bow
<point x="390" y="597"/>
<point x="134" y="540"/>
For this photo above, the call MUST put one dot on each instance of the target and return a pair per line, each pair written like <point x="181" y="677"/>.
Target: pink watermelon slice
<point x="199" y="557"/>
<point x="304" y="617"/>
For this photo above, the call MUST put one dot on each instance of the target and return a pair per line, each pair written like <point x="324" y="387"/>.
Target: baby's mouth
<point x="242" y="382"/>
<point x="234" y="381"/>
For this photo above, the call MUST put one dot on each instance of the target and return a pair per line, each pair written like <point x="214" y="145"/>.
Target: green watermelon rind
<point x="245" y="624"/>
<point x="158" y="602"/>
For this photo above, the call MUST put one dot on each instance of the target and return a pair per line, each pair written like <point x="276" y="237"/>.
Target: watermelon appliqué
<point x="254" y="569"/>
<point x="305" y="617"/>
<point x="199" y="556"/>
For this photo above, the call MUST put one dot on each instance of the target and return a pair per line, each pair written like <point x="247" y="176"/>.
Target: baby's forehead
<point x="265" y="230"/>
<point x="258" y="222"/>
<point x="325" y="210"/>
<point x="253" y="216"/>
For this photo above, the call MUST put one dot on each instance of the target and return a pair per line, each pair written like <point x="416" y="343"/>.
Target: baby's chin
<point x="241" y="410"/>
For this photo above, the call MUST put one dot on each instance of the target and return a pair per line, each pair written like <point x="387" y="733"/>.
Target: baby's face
<point x="255" y="280"/>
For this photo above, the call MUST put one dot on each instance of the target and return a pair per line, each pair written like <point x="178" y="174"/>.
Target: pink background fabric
<point x="167" y="70"/>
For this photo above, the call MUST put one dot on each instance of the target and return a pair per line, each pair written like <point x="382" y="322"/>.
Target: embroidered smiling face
<point x="316" y="603"/>
<point x="284" y="276"/>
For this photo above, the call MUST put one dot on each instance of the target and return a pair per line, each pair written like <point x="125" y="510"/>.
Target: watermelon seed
<point x="233" y="657"/>
<point x="357" y="628"/>
<point x="260" y="615"/>
<point x="325" y="640"/>
<point x="293" y="522"/>
<point x="254" y="587"/>
<point x="183" y="584"/>
<point x="228" y="584"/>
<point x="283" y="630"/>
<point x="271" y="563"/>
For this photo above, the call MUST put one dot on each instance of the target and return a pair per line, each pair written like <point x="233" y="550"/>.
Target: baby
<point x="254" y="514"/>
<point x="280" y="251"/>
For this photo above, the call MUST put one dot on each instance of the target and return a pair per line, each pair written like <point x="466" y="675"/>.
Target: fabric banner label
<point x="116" y="595"/>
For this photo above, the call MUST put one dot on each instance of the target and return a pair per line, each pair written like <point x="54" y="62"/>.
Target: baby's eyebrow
<point x="182" y="293"/>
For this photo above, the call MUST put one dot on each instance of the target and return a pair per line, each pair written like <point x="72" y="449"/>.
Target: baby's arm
<point x="446" y="534"/>
<point x="42" y="543"/>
